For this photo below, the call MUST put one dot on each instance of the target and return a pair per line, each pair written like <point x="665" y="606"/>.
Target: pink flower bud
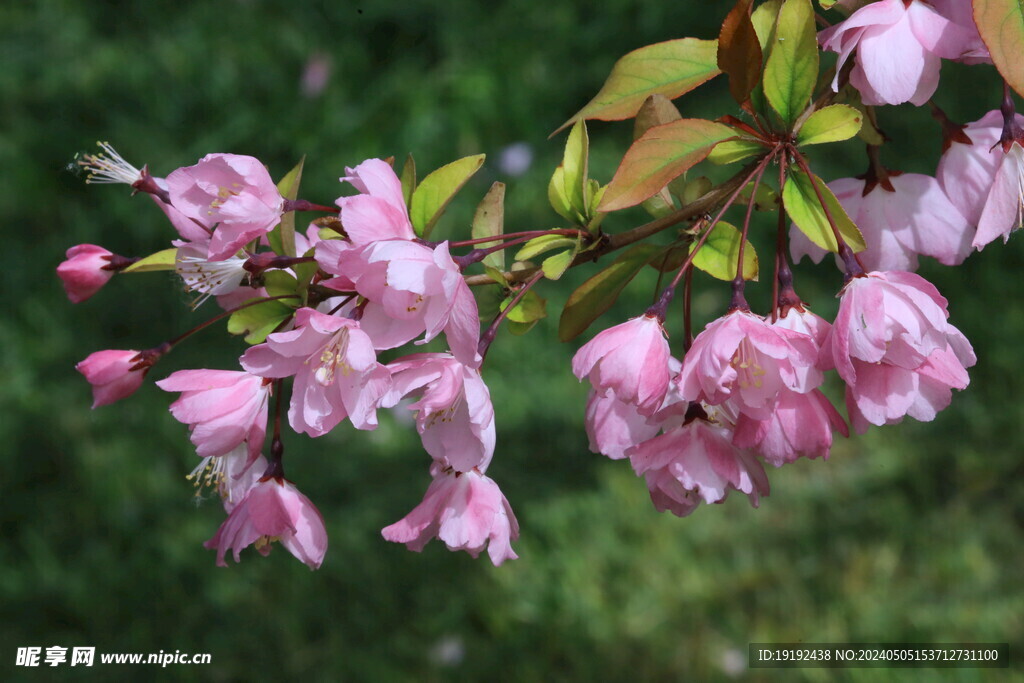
<point x="82" y="273"/>
<point x="111" y="376"/>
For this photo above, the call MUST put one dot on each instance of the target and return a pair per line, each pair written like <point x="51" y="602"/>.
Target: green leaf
<point x="259" y="320"/>
<point x="531" y="308"/>
<point x="660" y="205"/>
<point x="718" y="255"/>
<point x="555" y="266"/>
<point x="279" y="283"/>
<point x="408" y="179"/>
<point x="830" y="124"/>
<point x="731" y="151"/>
<point x="161" y="260"/>
<point x="538" y="245"/>
<point x="431" y="196"/>
<point x="792" y="67"/>
<point x="558" y="199"/>
<point x="496" y="275"/>
<point x="489" y="221"/>
<point x="694" y="189"/>
<point x="670" y="69"/>
<point x="1001" y="25"/>
<point x="596" y="192"/>
<point x="304" y="272"/>
<point x="661" y="154"/>
<point x="764" y="18"/>
<point x="282" y="238"/>
<point x="656" y="110"/>
<point x="803" y="207"/>
<point x="574" y="168"/>
<point x="596" y="295"/>
<point x="739" y="52"/>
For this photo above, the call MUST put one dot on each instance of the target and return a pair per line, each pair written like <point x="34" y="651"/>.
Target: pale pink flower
<point x="614" y="426"/>
<point x="412" y="289"/>
<point x="210" y="278"/>
<point x="111" y="375"/>
<point x="335" y="367"/>
<point x="454" y="415"/>
<point x="223" y="408"/>
<point x="983" y="181"/>
<point x="85" y="271"/>
<point x="972" y="49"/>
<point x="379" y="211"/>
<point x="234" y="191"/>
<point x="800" y="425"/>
<point x="694" y="463"/>
<point x="631" y="360"/>
<point x="231" y="475"/>
<point x="895" y="318"/>
<point x="899" y="45"/>
<point x="884" y="393"/>
<point x="914" y="217"/>
<point x="273" y="510"/>
<point x="466" y="510"/>
<point x="743" y="357"/>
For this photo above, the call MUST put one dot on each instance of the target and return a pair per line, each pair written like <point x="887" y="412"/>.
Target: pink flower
<point x="983" y="181"/>
<point x="614" y="426"/>
<point x="232" y="474"/>
<point x="899" y="45"/>
<point x="85" y="271"/>
<point x="630" y="360"/>
<point x="223" y="408"/>
<point x="454" y="415"/>
<point x="743" y="357"/>
<point x="894" y="318"/>
<point x="696" y="463"/>
<point x="912" y="218"/>
<point x="210" y="278"/>
<point x="235" y="192"/>
<point x="336" y="371"/>
<point x="379" y="211"/>
<point x="466" y="510"/>
<point x="111" y="375"/>
<point x="884" y="393"/>
<point x="273" y="510"/>
<point x="413" y="289"/>
<point x="800" y="425"/>
<point x="972" y="49"/>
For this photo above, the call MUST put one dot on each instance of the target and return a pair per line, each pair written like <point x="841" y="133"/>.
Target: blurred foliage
<point x="910" y="533"/>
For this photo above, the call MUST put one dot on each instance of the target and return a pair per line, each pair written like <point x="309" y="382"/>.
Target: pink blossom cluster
<point x="389" y="288"/>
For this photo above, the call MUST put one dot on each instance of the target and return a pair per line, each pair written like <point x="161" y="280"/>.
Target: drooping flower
<point x="209" y="278"/>
<point x="899" y="45"/>
<point x="743" y="357"/>
<point x="223" y="408"/>
<point x="232" y="190"/>
<point x="466" y="510"/>
<point x="454" y="415"/>
<point x="630" y="360"/>
<point x="985" y="182"/>
<point x="697" y="462"/>
<point x="800" y="426"/>
<point x="614" y="426"/>
<point x="273" y="510"/>
<point x="231" y="474"/>
<point x="111" y="375"/>
<point x="914" y="217"/>
<point x="335" y="367"/>
<point x="85" y="271"/>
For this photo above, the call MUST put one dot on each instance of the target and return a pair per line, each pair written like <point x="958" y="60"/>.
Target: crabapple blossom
<point x="454" y="415"/>
<point x="379" y="211"/>
<point x="614" y="426"/>
<point x="743" y="357"/>
<point x="466" y="510"/>
<point x="231" y="190"/>
<point x="697" y="462"/>
<point x="231" y="474"/>
<point x="985" y="182"/>
<point x="272" y="510"/>
<point x="209" y="278"/>
<point x="629" y="360"/>
<point x="112" y="374"/>
<point x="223" y="408"/>
<point x="911" y="217"/>
<point x="85" y="271"/>
<point x="800" y="425"/>
<point x="336" y="371"/>
<point x="899" y="45"/>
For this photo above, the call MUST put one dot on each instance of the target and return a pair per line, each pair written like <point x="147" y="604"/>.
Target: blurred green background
<point x="911" y="533"/>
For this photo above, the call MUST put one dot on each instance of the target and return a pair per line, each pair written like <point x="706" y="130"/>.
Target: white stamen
<point x="108" y="167"/>
<point x="210" y="278"/>
<point x="332" y="358"/>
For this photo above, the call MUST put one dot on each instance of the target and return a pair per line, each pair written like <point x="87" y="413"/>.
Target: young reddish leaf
<point x="670" y="69"/>
<point x="596" y="295"/>
<point x="661" y="154"/>
<point x="739" y="52"/>
<point x="791" y="70"/>
<point x="489" y="221"/>
<point x="161" y="260"/>
<point x="431" y="196"/>
<point x="1001" y="25"/>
